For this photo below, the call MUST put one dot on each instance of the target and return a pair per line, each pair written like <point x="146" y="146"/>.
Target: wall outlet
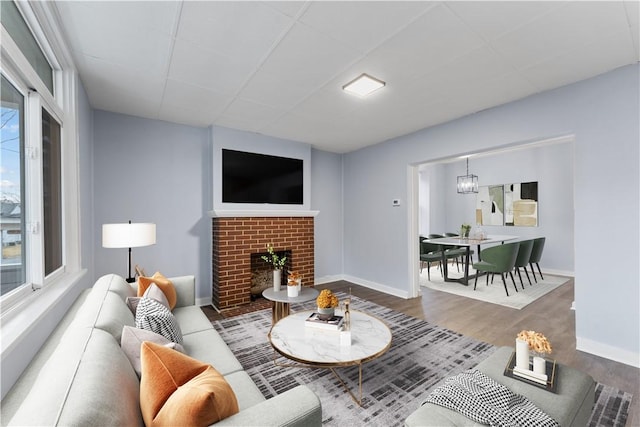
<point x="395" y="202"/>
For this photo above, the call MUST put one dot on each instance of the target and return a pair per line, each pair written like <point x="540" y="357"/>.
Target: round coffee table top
<point x="306" y="294"/>
<point x="370" y="338"/>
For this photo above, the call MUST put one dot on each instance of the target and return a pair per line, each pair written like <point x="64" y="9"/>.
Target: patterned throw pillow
<point x="153" y="292"/>
<point x="153" y="316"/>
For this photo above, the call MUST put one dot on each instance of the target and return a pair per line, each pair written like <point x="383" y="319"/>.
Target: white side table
<point x="281" y="301"/>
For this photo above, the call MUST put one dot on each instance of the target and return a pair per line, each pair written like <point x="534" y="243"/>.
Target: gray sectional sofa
<point x="82" y="377"/>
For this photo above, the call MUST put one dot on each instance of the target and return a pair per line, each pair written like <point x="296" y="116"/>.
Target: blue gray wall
<point x="602" y="113"/>
<point x="326" y="197"/>
<point x="153" y="171"/>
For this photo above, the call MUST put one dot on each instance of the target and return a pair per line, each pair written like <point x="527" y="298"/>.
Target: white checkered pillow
<point x="153" y="316"/>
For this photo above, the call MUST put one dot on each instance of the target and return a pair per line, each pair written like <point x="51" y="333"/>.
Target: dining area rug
<point x="395" y="384"/>
<point x="494" y="292"/>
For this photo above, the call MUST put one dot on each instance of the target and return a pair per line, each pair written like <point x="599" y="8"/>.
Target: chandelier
<point x="467" y="183"/>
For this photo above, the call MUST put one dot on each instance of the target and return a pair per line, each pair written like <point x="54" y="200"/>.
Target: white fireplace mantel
<point x="227" y="213"/>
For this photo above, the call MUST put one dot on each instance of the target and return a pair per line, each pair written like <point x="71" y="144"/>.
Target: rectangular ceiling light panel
<point x="363" y="85"/>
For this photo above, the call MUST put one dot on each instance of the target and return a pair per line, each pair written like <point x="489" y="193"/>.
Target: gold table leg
<point x="357" y="400"/>
<point x="279" y="310"/>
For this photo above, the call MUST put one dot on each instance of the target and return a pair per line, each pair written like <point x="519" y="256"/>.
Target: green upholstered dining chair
<point x="524" y="254"/>
<point x="498" y="259"/>
<point x="471" y="251"/>
<point x="536" y="255"/>
<point x="429" y="252"/>
<point x="450" y="252"/>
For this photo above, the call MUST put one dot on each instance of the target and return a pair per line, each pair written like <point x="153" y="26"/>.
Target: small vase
<point x="292" y="291"/>
<point x="277" y="280"/>
<point x="326" y="313"/>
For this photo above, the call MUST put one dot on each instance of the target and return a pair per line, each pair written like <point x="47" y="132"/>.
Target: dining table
<point x="467" y="243"/>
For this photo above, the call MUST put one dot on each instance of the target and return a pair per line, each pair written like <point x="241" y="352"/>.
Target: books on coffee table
<point x="334" y="323"/>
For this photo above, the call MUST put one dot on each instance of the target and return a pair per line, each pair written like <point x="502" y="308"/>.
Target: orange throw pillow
<point x="176" y="389"/>
<point x="163" y="283"/>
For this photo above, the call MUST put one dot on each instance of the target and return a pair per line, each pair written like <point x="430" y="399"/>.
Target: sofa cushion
<point x="71" y="386"/>
<point x="176" y="389"/>
<point x="155" y="317"/>
<point x="104" y="310"/>
<point x="191" y="319"/>
<point x="246" y="391"/>
<point x="163" y="283"/>
<point x="132" y="339"/>
<point x="116" y="284"/>
<point x="209" y="347"/>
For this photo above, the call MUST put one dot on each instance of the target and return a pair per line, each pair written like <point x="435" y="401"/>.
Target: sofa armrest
<point x="296" y="407"/>
<point x="186" y="290"/>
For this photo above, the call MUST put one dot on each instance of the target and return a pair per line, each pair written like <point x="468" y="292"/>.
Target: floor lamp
<point x="128" y="235"/>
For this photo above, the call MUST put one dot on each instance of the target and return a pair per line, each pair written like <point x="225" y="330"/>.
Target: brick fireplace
<point x="236" y="238"/>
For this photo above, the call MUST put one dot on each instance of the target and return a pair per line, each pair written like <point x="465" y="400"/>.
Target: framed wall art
<point x="521" y="204"/>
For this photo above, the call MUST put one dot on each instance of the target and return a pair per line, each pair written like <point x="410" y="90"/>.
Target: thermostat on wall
<point x="395" y="202"/>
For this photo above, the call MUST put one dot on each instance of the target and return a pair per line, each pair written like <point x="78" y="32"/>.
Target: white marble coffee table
<point x="319" y="348"/>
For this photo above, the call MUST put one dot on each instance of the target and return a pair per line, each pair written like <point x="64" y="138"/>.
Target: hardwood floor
<point x="499" y="325"/>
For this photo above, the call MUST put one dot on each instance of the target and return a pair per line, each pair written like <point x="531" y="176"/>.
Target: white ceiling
<point x="277" y="68"/>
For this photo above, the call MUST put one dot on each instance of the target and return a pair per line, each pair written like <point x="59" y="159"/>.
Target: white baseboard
<point x="377" y="286"/>
<point x="203" y="301"/>
<point x="328" y="279"/>
<point x="557" y="272"/>
<point x="608" y="352"/>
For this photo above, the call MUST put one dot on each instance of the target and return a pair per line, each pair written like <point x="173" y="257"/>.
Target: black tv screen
<point x="261" y="178"/>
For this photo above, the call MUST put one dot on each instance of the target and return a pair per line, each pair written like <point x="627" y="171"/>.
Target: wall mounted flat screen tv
<point x="261" y="178"/>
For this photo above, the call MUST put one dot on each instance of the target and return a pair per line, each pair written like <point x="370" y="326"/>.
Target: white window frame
<point x="40" y="17"/>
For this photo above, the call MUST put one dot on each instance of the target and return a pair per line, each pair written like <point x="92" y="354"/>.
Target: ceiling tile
<point x="495" y="18"/>
<point x="246" y="115"/>
<point x="560" y="32"/>
<point x="587" y="61"/>
<point x="331" y="99"/>
<point x="376" y="20"/>
<point x="108" y="85"/>
<point x="102" y="31"/>
<point x="192" y="64"/>
<point x="246" y="29"/>
<point x="192" y="116"/>
<point x="289" y="7"/>
<point x="472" y="68"/>
<point x="272" y="89"/>
<point x="181" y="95"/>
<point x="633" y="15"/>
<point x="471" y="98"/>
<point x="308" y="57"/>
<point x="434" y="39"/>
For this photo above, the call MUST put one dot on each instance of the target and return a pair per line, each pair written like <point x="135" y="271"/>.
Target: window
<point x="12" y="262"/>
<point x="52" y="193"/>
<point x="17" y="28"/>
<point x="40" y="243"/>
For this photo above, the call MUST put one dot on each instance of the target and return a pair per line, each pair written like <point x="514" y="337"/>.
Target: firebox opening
<point x="262" y="272"/>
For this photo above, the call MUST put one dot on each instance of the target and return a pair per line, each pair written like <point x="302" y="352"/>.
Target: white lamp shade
<point x="128" y="235"/>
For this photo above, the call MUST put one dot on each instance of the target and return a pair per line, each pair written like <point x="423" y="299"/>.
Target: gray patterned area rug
<point x="395" y="384"/>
